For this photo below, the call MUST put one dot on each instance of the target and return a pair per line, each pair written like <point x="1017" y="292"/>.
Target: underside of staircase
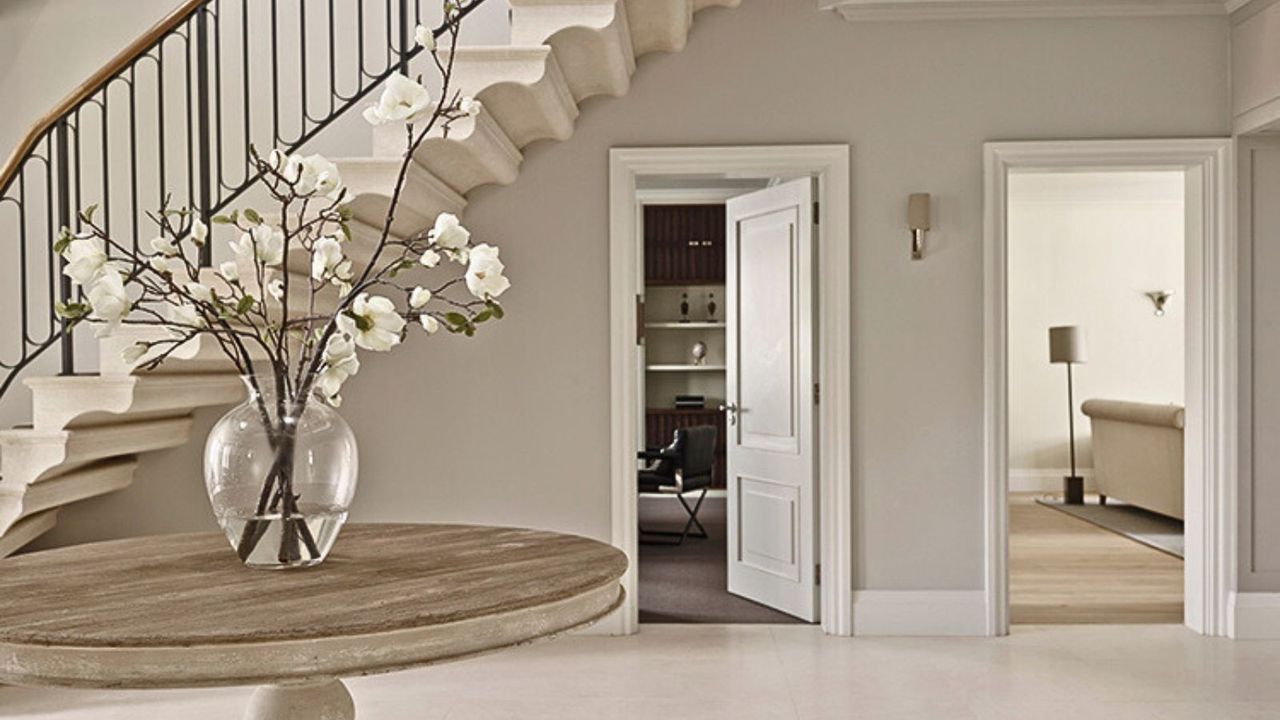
<point x="88" y="431"/>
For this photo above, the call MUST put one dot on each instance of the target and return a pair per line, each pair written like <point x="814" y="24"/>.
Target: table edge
<point x="250" y="663"/>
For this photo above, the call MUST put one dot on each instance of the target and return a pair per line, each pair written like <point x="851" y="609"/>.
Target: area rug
<point x="1154" y="530"/>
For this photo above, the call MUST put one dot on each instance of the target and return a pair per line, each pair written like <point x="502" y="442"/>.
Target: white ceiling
<point x="970" y="9"/>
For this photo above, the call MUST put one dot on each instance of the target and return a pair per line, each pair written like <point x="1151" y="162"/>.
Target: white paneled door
<point x="771" y="399"/>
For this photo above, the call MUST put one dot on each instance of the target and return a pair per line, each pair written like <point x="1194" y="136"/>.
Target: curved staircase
<point x="87" y="431"/>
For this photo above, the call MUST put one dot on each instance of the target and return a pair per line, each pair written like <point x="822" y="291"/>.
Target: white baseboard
<point x="1046" y="480"/>
<point x="928" y="613"/>
<point x="1254" y="616"/>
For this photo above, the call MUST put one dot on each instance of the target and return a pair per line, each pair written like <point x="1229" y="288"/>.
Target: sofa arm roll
<point x="1174" y="416"/>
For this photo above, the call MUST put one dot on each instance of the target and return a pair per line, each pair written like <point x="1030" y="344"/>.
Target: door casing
<point x="1211" y="339"/>
<point x="830" y="166"/>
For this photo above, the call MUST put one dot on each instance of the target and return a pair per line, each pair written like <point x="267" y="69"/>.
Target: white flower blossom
<point x="86" y="259"/>
<point x="419" y="297"/>
<point x="327" y="260"/>
<point x="449" y="233"/>
<point x="340" y="363"/>
<point x="430" y="258"/>
<point x="162" y="264"/>
<point x="470" y="106"/>
<point x="199" y="232"/>
<point x="186" y="317"/>
<point x="430" y="324"/>
<point x="263" y="243"/>
<point x="109" y="301"/>
<point x="373" y="322"/>
<point x="313" y="174"/>
<point x="134" y="353"/>
<point x="402" y="99"/>
<point x="425" y="38"/>
<point x="229" y="271"/>
<point x="199" y="291"/>
<point x="164" y="246"/>
<point x="484" y="273"/>
<point x="275" y="288"/>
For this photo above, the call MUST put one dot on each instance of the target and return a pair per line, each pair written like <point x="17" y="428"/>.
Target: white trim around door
<point x="830" y="165"/>
<point x="1211" y="362"/>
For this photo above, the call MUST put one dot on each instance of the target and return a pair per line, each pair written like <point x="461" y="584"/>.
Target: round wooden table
<point x="181" y="611"/>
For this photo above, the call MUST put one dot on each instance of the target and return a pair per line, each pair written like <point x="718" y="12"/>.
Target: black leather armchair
<point x="684" y="466"/>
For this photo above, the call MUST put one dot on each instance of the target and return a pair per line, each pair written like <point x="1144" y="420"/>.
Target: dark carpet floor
<point x="686" y="583"/>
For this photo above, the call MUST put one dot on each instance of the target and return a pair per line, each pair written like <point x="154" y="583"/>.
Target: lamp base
<point x="1073" y="490"/>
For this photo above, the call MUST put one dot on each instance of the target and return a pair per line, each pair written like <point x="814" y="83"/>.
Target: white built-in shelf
<point x="685" y="368"/>
<point x="685" y="325"/>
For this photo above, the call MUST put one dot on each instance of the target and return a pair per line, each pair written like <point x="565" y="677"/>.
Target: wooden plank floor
<point x="1066" y="571"/>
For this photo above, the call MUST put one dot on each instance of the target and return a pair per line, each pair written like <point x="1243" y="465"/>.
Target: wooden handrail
<point x="122" y="60"/>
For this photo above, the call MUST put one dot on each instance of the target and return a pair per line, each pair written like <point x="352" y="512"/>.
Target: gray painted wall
<point x="513" y="426"/>
<point x="1259" y="555"/>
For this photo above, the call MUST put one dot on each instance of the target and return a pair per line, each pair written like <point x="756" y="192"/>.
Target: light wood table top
<point x="181" y="611"/>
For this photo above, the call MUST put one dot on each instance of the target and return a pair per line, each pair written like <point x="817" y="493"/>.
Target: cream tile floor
<point x="745" y="672"/>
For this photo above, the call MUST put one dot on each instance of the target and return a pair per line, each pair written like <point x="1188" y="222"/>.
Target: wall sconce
<point x="918" y="211"/>
<point x="1159" y="298"/>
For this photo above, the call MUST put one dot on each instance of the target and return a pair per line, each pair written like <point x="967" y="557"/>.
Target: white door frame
<point x="1211" y="427"/>
<point x="830" y="164"/>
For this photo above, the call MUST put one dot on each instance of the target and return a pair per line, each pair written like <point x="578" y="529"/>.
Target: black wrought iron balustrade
<point x="171" y="119"/>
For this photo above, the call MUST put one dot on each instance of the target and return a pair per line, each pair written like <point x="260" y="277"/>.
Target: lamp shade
<point x="1066" y="345"/>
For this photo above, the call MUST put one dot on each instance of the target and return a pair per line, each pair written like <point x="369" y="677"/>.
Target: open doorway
<point x="769" y="398"/>
<point x="1174" y="461"/>
<point x="1097" y="348"/>
<point x="729" y="457"/>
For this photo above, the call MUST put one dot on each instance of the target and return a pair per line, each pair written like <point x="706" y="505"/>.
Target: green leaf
<point x="457" y="320"/>
<point x="252" y="216"/>
<point x="345" y="213"/>
<point x="482" y="315"/>
<point x="498" y="312"/>
<point x="346" y="230"/>
<point x="221" y="220"/>
<point x="87" y="213"/>
<point x="71" y="310"/>
<point x="245" y="305"/>
<point x="64" y="240"/>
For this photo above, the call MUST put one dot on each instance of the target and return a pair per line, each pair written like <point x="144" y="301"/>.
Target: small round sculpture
<point x="699" y="353"/>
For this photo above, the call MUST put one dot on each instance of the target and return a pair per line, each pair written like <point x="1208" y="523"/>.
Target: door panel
<point x="771" y="453"/>
<point x="772" y="510"/>
<point x="767" y="295"/>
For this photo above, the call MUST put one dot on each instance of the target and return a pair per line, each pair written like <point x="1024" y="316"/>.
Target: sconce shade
<point x="918" y="211"/>
<point x="1066" y="345"/>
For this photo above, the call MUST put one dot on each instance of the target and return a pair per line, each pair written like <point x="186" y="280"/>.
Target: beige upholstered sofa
<point x="1137" y="453"/>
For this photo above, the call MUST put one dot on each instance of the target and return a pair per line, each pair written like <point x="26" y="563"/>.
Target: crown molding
<point x="886" y="10"/>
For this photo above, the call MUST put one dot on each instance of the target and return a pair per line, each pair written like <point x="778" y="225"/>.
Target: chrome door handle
<point x="732" y="409"/>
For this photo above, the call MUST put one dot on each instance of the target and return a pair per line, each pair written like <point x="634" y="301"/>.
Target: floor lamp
<point x="1066" y="346"/>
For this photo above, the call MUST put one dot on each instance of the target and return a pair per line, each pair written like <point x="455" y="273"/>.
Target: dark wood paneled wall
<point x="684" y="244"/>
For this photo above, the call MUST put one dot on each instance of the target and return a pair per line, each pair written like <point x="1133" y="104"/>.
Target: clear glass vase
<point x="281" y="472"/>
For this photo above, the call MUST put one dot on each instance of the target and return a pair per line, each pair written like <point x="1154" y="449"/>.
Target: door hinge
<point x="639" y="319"/>
<point x="817" y="574"/>
<point x="817" y="213"/>
<point x="817" y="393"/>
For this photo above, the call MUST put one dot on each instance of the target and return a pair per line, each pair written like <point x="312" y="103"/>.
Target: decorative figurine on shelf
<point x="699" y="353"/>
<point x="684" y="307"/>
<point x="711" y="307"/>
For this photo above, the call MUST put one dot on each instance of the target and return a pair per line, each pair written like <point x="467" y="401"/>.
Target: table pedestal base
<point x="321" y="700"/>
